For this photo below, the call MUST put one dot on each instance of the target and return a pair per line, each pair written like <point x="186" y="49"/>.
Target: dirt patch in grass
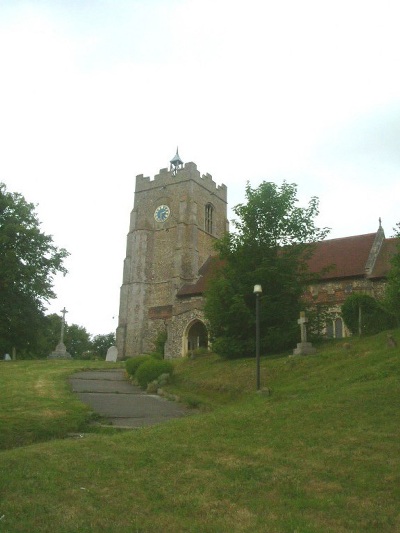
<point x="45" y="388"/>
<point x="52" y="413"/>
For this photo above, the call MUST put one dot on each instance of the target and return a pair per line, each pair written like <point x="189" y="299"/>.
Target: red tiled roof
<point x="347" y="256"/>
<point x="382" y="265"/>
<point x="206" y="271"/>
<point x="336" y="258"/>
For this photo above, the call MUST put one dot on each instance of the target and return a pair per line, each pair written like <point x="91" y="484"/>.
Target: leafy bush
<point x="133" y="363"/>
<point x="160" y="344"/>
<point x="229" y="348"/>
<point x="198" y="352"/>
<point x="87" y="356"/>
<point x="163" y="380"/>
<point x="373" y="317"/>
<point x="277" y="340"/>
<point x="157" y="355"/>
<point x="152" y="387"/>
<point x="151" y="369"/>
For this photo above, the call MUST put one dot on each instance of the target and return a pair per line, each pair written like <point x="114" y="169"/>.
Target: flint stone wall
<point x="163" y="256"/>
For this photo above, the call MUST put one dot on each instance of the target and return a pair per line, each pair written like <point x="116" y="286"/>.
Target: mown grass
<point x="319" y="453"/>
<point x="36" y="401"/>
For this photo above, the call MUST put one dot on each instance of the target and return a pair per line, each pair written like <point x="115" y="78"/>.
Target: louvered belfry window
<point x="209" y="218"/>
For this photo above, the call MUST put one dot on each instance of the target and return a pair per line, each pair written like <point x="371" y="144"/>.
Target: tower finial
<point x="176" y="163"/>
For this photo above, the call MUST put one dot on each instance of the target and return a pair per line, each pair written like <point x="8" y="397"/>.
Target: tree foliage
<point x="363" y="314"/>
<point x="29" y="260"/>
<point x="101" y="343"/>
<point x="78" y="341"/>
<point x="392" y="292"/>
<point x="76" y="338"/>
<point x="49" y="335"/>
<point x="271" y="245"/>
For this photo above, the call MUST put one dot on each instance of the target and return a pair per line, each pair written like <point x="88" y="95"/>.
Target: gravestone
<point x="112" y="354"/>
<point x="7" y="357"/>
<point x="391" y="341"/>
<point x="303" y="347"/>
<point x="61" y="351"/>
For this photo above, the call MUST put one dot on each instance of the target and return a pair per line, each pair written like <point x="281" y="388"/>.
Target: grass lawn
<point x="320" y="453"/>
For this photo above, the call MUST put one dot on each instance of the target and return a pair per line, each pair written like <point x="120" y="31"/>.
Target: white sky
<point x="93" y="93"/>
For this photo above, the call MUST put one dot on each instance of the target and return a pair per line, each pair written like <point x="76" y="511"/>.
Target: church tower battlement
<point x="190" y="171"/>
<point x="175" y="221"/>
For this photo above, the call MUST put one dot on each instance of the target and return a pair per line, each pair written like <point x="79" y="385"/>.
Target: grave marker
<point x="61" y="351"/>
<point x="303" y="347"/>
<point x="112" y="354"/>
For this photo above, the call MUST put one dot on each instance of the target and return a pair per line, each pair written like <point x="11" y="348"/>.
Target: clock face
<point x="161" y="213"/>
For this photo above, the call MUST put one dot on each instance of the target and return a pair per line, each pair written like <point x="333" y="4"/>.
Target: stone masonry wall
<point x="185" y="313"/>
<point x="162" y="256"/>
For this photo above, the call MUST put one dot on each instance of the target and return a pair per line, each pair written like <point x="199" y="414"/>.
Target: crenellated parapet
<point x="189" y="172"/>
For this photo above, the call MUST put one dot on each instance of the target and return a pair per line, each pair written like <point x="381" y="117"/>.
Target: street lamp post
<point x="257" y="291"/>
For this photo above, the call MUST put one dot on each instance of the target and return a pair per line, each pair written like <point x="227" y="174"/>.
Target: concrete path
<point x="110" y="394"/>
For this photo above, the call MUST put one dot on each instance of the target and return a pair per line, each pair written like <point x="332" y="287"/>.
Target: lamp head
<point x="257" y="289"/>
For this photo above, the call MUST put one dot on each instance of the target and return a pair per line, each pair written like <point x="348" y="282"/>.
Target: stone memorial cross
<point x="302" y="321"/>
<point x="303" y="347"/>
<point x="61" y="351"/>
<point x="63" y="312"/>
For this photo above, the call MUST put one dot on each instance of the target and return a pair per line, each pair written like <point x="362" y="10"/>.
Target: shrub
<point x="151" y="369"/>
<point x="157" y="355"/>
<point x="152" y="387"/>
<point x="133" y="363"/>
<point x="229" y="348"/>
<point x="198" y="352"/>
<point x="160" y="344"/>
<point x="87" y="356"/>
<point x="163" y="380"/>
<point x="374" y="318"/>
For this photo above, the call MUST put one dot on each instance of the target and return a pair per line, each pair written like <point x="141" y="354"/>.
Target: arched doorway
<point x="196" y="336"/>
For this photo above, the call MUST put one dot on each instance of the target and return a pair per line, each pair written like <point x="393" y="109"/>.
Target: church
<point x="175" y="221"/>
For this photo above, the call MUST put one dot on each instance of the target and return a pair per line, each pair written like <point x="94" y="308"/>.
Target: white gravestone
<point x="7" y="357"/>
<point x="112" y="354"/>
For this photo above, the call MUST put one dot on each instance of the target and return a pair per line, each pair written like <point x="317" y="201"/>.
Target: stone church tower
<point x="174" y="223"/>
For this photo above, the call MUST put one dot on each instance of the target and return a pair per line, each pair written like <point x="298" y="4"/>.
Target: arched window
<point x="208" y="224"/>
<point x="334" y="329"/>
<point x="338" y="328"/>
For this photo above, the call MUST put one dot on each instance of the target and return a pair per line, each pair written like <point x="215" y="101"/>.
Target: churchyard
<point x="316" y="450"/>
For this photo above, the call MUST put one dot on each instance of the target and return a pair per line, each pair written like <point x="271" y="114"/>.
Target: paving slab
<point x="117" y="374"/>
<point x="106" y="386"/>
<point x="111" y="395"/>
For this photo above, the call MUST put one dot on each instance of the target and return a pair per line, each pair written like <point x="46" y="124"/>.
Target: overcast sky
<point x="93" y="93"/>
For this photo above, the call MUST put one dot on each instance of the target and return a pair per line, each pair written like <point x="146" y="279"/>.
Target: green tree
<point x="101" y="343"/>
<point x="392" y="292"/>
<point x="270" y="246"/>
<point x="48" y="336"/>
<point x="77" y="340"/>
<point x="28" y="263"/>
<point x="364" y="315"/>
